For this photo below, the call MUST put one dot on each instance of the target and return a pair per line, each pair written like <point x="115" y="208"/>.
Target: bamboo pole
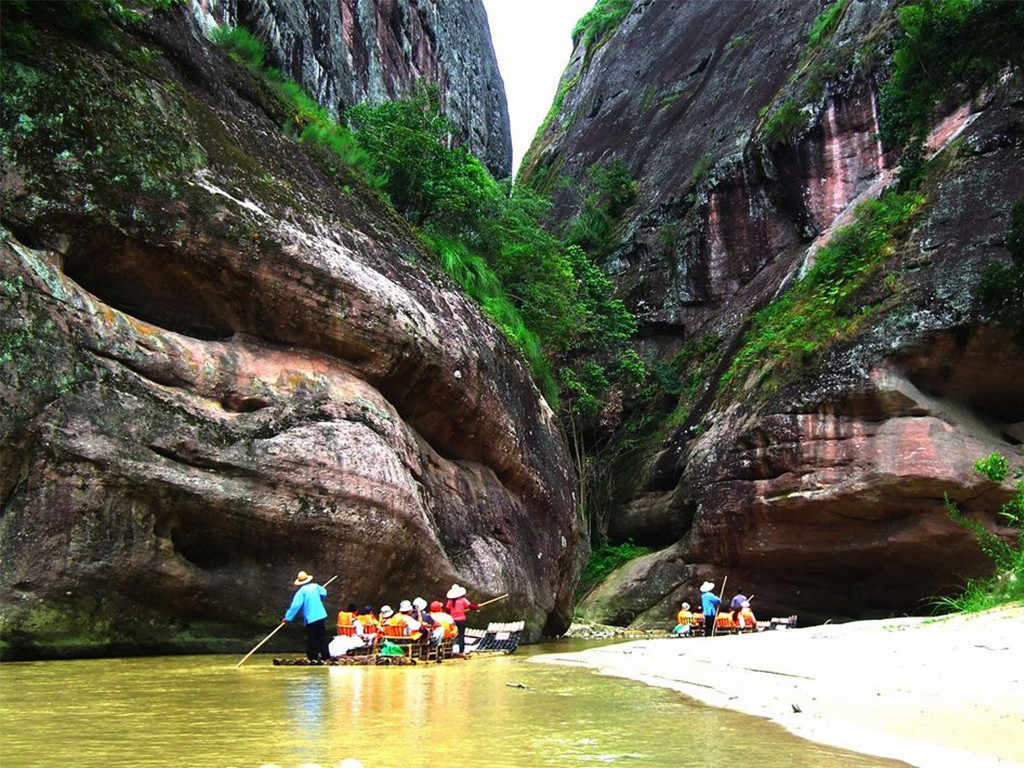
<point x="274" y="632"/>
<point x="496" y="599"/>
<point x="714" y="627"/>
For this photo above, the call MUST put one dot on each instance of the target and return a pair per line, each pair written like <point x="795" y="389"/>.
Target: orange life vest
<point x="346" y="620"/>
<point x="446" y="621"/>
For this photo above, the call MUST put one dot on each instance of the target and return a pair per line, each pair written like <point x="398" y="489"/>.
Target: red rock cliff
<point x="824" y="497"/>
<point x="223" y="360"/>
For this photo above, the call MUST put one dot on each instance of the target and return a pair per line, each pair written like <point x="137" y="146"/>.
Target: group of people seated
<point x="739" y="617"/>
<point x="415" y="621"/>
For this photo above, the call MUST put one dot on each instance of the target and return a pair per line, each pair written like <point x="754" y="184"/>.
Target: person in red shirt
<point x="457" y="606"/>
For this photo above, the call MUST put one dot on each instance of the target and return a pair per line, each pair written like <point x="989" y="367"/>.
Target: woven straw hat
<point x="302" y="578"/>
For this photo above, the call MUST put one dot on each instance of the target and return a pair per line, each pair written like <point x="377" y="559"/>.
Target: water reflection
<point x="195" y="712"/>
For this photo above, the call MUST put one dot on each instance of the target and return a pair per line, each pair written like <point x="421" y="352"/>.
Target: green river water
<point x="201" y="712"/>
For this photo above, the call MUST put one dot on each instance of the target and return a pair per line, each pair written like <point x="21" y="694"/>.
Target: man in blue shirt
<point x="709" y="601"/>
<point x="309" y="600"/>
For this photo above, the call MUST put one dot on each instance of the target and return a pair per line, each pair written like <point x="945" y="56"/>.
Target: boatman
<point x="309" y="600"/>
<point x="456" y="607"/>
<point x="709" y="602"/>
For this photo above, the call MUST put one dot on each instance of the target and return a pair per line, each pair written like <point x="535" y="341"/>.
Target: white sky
<point x="532" y="39"/>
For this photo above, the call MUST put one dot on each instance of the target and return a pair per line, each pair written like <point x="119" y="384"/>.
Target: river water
<point x="201" y="712"/>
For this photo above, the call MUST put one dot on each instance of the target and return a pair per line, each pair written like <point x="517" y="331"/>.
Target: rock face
<point x="349" y="51"/>
<point x="223" y="360"/>
<point x="823" y="497"/>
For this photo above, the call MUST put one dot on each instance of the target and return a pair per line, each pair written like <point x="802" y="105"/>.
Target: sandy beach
<point x="931" y="692"/>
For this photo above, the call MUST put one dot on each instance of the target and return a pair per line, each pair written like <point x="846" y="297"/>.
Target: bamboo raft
<point x="498" y="639"/>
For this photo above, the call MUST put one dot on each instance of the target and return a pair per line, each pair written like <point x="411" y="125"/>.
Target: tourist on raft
<point x="404" y="616"/>
<point x="309" y="600"/>
<point x="709" y="602"/>
<point x="736" y="604"/>
<point x="683" y="620"/>
<point x="746" y="618"/>
<point x="443" y="621"/>
<point x="350" y="633"/>
<point x="457" y="605"/>
<point x="420" y="614"/>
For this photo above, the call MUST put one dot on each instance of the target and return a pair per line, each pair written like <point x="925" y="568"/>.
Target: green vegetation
<point x="824" y="306"/>
<point x="701" y="168"/>
<point x="606" y="558"/>
<point x="547" y="296"/>
<point x="613" y="192"/>
<point x="948" y="48"/>
<point x="1006" y="585"/>
<point x="826" y="22"/>
<point x="87" y="20"/>
<point x="307" y="119"/>
<point x="783" y="122"/>
<point x="1002" y="285"/>
<point x="600" y="21"/>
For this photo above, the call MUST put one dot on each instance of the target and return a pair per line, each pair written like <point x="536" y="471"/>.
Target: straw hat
<point x="456" y="591"/>
<point x="686" y="606"/>
<point x="385" y="611"/>
<point x="405" y="606"/>
<point x="302" y="578"/>
<point x="707" y="586"/>
<point x="420" y="603"/>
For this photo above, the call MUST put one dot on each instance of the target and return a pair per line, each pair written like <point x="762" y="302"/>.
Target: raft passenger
<point x="736" y="605"/>
<point x="443" y="621"/>
<point x="683" y="620"/>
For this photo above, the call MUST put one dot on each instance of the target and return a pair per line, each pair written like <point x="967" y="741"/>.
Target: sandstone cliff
<point x="352" y="51"/>
<point x="224" y="360"/>
<point x="821" y="492"/>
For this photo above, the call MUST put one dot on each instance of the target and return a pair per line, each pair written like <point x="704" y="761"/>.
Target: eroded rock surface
<point x="824" y="497"/>
<point x="223" y="360"/>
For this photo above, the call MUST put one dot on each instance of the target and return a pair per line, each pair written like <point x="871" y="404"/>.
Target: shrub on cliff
<point x="600" y="21"/>
<point x="1006" y="585"/>
<point x="1002" y="284"/>
<point x="948" y="48"/>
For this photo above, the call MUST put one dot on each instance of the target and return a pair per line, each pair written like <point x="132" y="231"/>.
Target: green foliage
<point x="1002" y="285"/>
<point x="823" y="307"/>
<point x="556" y="105"/>
<point x="310" y="122"/>
<point x="826" y="22"/>
<point x="632" y="370"/>
<point x="613" y="192"/>
<point x="701" y="168"/>
<point x="87" y="20"/>
<point x="994" y="466"/>
<point x="606" y="558"/>
<point x="947" y="47"/>
<point x="600" y="21"/>
<point x="1006" y="585"/>
<point x="549" y="298"/>
<point x="783" y="123"/>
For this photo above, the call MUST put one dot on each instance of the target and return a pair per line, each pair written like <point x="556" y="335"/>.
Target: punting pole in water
<point x="276" y="629"/>
<point x="493" y="601"/>
<point x="714" y="627"/>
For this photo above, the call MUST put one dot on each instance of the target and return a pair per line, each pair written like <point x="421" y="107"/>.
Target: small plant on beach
<point x="1006" y="585"/>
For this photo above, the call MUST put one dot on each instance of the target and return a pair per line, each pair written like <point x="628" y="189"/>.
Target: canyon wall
<point x="224" y="360"/>
<point x="821" y="492"/>
<point x="349" y="51"/>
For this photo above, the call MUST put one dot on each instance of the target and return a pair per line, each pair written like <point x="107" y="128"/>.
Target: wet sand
<point x="931" y="692"/>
